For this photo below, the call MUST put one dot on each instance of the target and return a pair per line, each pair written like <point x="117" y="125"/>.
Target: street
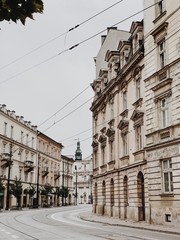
<point x="63" y="223"/>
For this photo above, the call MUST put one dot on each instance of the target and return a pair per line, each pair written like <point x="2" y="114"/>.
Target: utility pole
<point x="37" y="194"/>
<point x="9" y="163"/>
<point x="76" y="184"/>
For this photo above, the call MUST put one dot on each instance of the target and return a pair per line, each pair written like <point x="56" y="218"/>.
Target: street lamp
<point x="37" y="194"/>
<point x="8" y="158"/>
<point x="76" y="184"/>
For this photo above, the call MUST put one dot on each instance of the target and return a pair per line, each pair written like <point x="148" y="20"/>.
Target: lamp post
<point x="76" y="184"/>
<point x="37" y="194"/>
<point x="9" y="162"/>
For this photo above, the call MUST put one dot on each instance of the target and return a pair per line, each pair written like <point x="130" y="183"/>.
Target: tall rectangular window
<point x="103" y="155"/>
<point x="161" y="6"/>
<point x="162" y="56"/>
<point x="125" y="100"/>
<point x="27" y="139"/>
<point x="138" y="93"/>
<point x="138" y="138"/>
<point x="5" y="128"/>
<point x="32" y="142"/>
<point x="167" y="176"/>
<point x="22" y="135"/>
<point x="125" y="144"/>
<point x="164" y="112"/>
<point x="12" y="132"/>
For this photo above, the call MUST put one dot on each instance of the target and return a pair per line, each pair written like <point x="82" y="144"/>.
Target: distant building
<point x="18" y="156"/>
<point x="49" y="169"/>
<point x="82" y="177"/>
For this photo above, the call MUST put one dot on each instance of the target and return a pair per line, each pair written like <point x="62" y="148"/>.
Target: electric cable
<point x="59" y="36"/>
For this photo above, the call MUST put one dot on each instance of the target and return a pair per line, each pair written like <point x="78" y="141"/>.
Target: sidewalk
<point x="88" y="216"/>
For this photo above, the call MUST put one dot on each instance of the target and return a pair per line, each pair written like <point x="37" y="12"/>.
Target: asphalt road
<point x="64" y="224"/>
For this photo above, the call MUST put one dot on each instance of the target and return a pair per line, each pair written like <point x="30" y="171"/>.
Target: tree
<point x="47" y="189"/>
<point x="17" y="190"/>
<point x="15" y="10"/>
<point x="64" y="192"/>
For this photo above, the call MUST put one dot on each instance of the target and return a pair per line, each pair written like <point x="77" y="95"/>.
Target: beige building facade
<point x="162" y="88"/>
<point x="35" y="159"/>
<point x="136" y="119"/>
<point x="119" y="166"/>
<point x="18" y="156"/>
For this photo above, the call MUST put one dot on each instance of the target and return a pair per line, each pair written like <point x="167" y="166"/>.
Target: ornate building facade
<point x="162" y="88"/>
<point x="136" y="140"/>
<point x="35" y="160"/>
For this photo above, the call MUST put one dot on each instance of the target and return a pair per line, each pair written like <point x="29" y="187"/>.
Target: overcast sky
<point x="36" y="87"/>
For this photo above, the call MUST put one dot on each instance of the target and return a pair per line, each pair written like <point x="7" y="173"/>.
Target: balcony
<point x="45" y="171"/>
<point x="5" y="160"/>
<point x="28" y="166"/>
<point x="56" y="174"/>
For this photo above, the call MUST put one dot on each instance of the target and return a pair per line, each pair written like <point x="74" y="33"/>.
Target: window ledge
<point x="159" y="17"/>
<point x="167" y="195"/>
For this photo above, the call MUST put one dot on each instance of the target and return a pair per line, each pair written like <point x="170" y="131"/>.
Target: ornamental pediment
<point x="110" y="132"/>
<point x="102" y="138"/>
<point x="94" y="143"/>
<point x="110" y="54"/>
<point x="136" y="115"/>
<point x="123" y="124"/>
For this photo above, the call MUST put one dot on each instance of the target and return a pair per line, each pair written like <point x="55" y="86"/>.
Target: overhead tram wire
<point x="74" y="46"/>
<point x="64" y="106"/>
<point x="59" y="36"/>
<point x="153" y="109"/>
<point x="67" y="115"/>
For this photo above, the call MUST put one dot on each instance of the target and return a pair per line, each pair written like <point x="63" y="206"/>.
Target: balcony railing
<point x="45" y="171"/>
<point x="28" y="166"/>
<point x="57" y="174"/>
<point x="5" y="160"/>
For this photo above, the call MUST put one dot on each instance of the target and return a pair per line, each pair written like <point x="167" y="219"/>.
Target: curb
<point x="131" y="226"/>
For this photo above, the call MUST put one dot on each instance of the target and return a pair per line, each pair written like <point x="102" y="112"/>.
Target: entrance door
<point x="141" y="197"/>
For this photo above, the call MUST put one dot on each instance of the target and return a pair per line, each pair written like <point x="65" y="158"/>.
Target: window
<point x="167" y="176"/>
<point x="162" y="54"/>
<point x="27" y="139"/>
<point x="160" y="7"/>
<point x="4" y="147"/>
<point x="124" y="100"/>
<point x="5" y="129"/>
<point x="22" y="136"/>
<point x="32" y="142"/>
<point x="103" y="155"/>
<point x="164" y="112"/>
<point x="125" y="144"/>
<point x="12" y="132"/>
<point x="138" y="138"/>
<point x="138" y="93"/>
<point x="111" y="145"/>
<point x="20" y="173"/>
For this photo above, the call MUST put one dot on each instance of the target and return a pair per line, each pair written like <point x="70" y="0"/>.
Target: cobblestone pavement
<point x="88" y="216"/>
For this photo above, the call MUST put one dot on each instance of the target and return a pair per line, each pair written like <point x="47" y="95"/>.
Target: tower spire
<point x="78" y="153"/>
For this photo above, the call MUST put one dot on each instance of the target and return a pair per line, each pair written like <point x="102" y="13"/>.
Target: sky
<point x="44" y="81"/>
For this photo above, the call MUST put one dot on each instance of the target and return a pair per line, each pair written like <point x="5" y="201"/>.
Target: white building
<point x="82" y="178"/>
<point x="18" y="154"/>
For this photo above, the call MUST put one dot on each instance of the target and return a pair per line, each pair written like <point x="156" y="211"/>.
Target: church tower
<point x="78" y="153"/>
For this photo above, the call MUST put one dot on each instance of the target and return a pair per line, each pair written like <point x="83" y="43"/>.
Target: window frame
<point x="138" y="133"/>
<point x="164" y="112"/>
<point x="162" y="53"/>
<point x="125" y="143"/>
<point x="167" y="171"/>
